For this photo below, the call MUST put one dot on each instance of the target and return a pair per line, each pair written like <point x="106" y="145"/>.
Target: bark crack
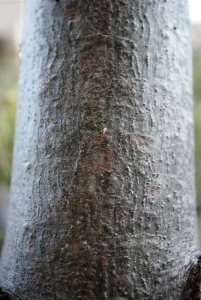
<point x="192" y="286"/>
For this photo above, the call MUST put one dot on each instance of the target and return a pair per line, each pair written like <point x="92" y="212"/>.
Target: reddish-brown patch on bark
<point x="107" y="160"/>
<point x="91" y="166"/>
<point x="102" y="160"/>
<point x="91" y="198"/>
<point x="101" y="43"/>
<point x="99" y="138"/>
<point x="92" y="63"/>
<point x="75" y="243"/>
<point x="99" y="225"/>
<point x="73" y="15"/>
<point x="142" y="142"/>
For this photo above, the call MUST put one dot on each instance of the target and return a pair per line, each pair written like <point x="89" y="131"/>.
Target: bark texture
<point x="103" y="198"/>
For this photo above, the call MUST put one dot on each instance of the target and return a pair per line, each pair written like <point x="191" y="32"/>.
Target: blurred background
<point x="11" y="20"/>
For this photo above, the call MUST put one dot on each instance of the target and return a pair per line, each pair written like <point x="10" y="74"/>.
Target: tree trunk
<point x="103" y="194"/>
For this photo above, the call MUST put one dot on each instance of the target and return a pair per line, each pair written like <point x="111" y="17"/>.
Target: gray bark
<point x="103" y="193"/>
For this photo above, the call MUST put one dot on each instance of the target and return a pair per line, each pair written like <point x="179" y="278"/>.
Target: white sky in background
<point x="195" y="11"/>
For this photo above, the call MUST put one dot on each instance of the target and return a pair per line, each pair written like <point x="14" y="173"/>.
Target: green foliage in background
<point x="8" y="92"/>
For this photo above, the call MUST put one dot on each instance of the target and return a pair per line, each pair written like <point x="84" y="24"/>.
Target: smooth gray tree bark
<point x="103" y="193"/>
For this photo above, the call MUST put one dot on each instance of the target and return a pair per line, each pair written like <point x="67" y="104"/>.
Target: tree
<point x="102" y="196"/>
